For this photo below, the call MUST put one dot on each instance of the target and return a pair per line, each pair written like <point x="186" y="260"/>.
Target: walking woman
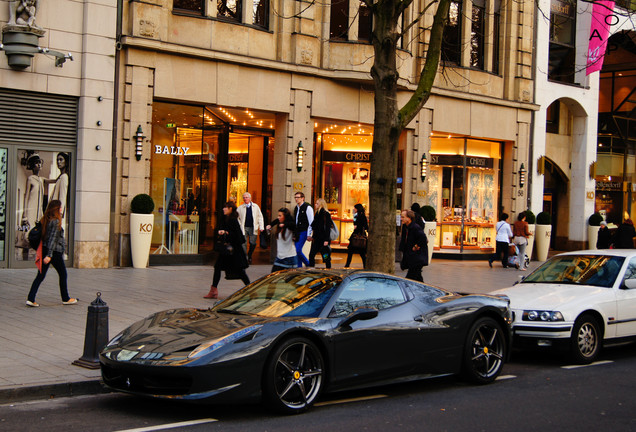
<point x="360" y="226"/>
<point x="521" y="232"/>
<point x="51" y="250"/>
<point x="232" y="260"/>
<point x="321" y="226"/>
<point x="284" y="228"/>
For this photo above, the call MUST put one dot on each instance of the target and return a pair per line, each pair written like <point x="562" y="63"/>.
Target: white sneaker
<point x="32" y="304"/>
<point x="70" y="301"/>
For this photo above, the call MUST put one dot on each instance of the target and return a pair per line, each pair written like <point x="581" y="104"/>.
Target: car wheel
<point x="294" y="376"/>
<point x="586" y="340"/>
<point x="484" y="352"/>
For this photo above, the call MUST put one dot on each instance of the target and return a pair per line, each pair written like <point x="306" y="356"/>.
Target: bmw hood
<point x="550" y="296"/>
<point x="181" y="330"/>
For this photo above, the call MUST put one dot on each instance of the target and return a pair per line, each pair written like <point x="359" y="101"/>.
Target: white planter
<point x="430" y="229"/>
<point x="542" y="234"/>
<point x="592" y="236"/>
<point x="530" y="246"/>
<point x="140" y="238"/>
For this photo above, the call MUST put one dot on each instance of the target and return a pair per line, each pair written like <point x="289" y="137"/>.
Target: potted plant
<point x="593" y="222"/>
<point x="141" y="224"/>
<point x="430" y="227"/>
<point x="543" y="234"/>
<point x="531" y="219"/>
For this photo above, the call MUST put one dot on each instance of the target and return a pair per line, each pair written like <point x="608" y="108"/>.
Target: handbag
<point x="262" y="238"/>
<point x="334" y="234"/>
<point x="222" y="246"/>
<point x="21" y="239"/>
<point x="358" y="241"/>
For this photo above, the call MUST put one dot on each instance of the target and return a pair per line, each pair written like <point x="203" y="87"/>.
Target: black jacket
<point x="414" y="236"/>
<point x="624" y="236"/>
<point x="237" y="260"/>
<point x="604" y="238"/>
<point x="321" y="226"/>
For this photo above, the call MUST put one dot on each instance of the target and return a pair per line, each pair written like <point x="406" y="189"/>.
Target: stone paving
<point x="38" y="345"/>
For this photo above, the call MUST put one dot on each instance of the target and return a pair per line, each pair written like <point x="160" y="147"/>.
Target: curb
<point x="51" y="391"/>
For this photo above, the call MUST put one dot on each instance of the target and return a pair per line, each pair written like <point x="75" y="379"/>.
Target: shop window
<point x="552" y="118"/>
<point x="260" y="15"/>
<point x="562" y="39"/>
<point x="339" y="20"/>
<point x="195" y="6"/>
<point x="229" y="9"/>
<point x="451" y="42"/>
<point x="477" y="37"/>
<point x="365" y="23"/>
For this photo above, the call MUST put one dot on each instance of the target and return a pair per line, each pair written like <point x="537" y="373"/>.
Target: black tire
<point x="484" y="352"/>
<point x="294" y="376"/>
<point x="585" y="342"/>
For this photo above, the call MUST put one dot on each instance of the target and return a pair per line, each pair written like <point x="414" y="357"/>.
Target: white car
<point x="577" y="300"/>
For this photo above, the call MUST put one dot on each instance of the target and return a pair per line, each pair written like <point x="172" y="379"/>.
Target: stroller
<point x="513" y="259"/>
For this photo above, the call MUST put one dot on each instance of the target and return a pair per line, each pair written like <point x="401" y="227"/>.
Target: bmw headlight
<point x="541" y="315"/>
<point x="214" y="344"/>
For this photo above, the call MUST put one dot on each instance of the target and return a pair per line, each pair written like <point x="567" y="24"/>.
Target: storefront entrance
<point x="203" y="157"/>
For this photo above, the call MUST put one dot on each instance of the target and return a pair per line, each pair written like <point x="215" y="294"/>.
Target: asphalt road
<point x="535" y="392"/>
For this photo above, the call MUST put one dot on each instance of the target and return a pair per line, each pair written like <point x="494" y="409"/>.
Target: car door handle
<point x="418" y="318"/>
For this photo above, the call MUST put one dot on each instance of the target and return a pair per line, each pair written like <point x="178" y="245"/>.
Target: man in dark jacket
<point x="624" y="236"/>
<point x="414" y="247"/>
<point x="604" y="237"/>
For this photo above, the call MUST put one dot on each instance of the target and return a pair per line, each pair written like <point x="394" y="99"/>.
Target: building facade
<point x="229" y="94"/>
<point x="56" y="124"/>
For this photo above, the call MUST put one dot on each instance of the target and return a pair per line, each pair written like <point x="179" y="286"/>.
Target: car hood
<point x="550" y="296"/>
<point x="178" y="330"/>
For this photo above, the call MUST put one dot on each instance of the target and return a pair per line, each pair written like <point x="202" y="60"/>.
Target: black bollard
<point x="96" y="336"/>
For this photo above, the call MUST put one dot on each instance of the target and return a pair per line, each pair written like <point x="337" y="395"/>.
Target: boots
<point x="213" y="294"/>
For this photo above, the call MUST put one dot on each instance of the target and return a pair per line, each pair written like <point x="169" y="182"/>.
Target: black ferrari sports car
<point x="290" y="335"/>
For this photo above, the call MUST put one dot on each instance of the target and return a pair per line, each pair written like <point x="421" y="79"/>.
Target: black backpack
<point x="35" y="235"/>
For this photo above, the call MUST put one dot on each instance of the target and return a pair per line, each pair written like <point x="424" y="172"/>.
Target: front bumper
<point x="543" y="335"/>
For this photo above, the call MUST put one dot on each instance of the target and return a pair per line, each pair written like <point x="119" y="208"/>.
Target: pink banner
<point x="602" y="18"/>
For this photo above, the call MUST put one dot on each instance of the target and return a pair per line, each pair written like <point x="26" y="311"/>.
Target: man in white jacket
<point x="251" y="220"/>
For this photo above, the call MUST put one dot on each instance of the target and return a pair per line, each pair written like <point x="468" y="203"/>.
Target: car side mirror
<point x="360" y="314"/>
<point x="629" y="284"/>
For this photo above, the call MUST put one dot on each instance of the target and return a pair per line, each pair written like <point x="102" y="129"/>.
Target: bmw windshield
<point x="282" y="294"/>
<point x="595" y="270"/>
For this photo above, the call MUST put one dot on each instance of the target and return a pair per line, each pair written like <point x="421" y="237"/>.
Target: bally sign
<point x="176" y="151"/>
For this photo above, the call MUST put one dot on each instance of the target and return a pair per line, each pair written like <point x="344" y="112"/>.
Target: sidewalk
<point x="38" y="345"/>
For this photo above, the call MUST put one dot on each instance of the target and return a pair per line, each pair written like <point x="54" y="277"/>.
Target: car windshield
<point x="596" y="270"/>
<point x="282" y="294"/>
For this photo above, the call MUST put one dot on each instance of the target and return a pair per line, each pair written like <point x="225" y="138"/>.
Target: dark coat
<point x="360" y="226"/>
<point x="624" y="236"/>
<point x="321" y="226"/>
<point x="237" y="260"/>
<point x="414" y="236"/>
<point x="604" y="238"/>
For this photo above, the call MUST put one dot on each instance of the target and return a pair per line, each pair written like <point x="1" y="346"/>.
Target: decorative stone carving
<point x="22" y="13"/>
<point x="306" y="57"/>
<point x="147" y="28"/>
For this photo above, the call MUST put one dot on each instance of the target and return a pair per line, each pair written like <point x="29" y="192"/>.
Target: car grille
<point x="139" y="382"/>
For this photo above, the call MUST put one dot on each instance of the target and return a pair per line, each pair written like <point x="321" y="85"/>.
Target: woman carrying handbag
<point x="360" y="227"/>
<point x="321" y="226"/>
<point x="232" y="259"/>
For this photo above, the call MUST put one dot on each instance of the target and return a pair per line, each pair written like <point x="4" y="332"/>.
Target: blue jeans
<point x="57" y="261"/>
<point x="302" y="259"/>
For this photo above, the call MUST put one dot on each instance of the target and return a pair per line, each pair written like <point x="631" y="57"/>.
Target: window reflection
<point x="451" y="42"/>
<point x="339" y="20"/>
<point x="189" y="5"/>
<point x="260" y="15"/>
<point x="230" y="9"/>
<point x="376" y="293"/>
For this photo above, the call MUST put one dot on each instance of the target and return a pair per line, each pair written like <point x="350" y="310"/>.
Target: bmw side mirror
<point x="629" y="284"/>
<point x="360" y="314"/>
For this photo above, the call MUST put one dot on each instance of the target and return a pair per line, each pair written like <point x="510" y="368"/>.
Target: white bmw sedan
<point x="577" y="300"/>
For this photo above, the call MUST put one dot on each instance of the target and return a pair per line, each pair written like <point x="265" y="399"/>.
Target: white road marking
<point x="170" y="425"/>
<point x="505" y="377"/>
<point x="341" y="401"/>
<point x="591" y="364"/>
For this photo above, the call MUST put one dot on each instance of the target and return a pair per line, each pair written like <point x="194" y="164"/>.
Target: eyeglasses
<point x="297" y="197"/>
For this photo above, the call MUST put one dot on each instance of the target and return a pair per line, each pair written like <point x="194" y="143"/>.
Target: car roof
<point x="604" y="252"/>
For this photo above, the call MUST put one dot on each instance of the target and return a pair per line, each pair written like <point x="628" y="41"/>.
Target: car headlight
<point x="214" y="344"/>
<point x="114" y="340"/>
<point x="539" y="315"/>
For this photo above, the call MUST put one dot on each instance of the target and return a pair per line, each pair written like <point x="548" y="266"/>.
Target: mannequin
<point x="33" y="192"/>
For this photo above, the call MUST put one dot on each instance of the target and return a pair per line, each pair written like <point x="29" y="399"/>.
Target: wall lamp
<point x="522" y="175"/>
<point x="300" y="152"/>
<point x="139" y="142"/>
<point x="423" y="166"/>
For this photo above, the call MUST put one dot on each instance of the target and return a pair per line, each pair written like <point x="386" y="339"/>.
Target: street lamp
<point x="423" y="166"/>
<point x="139" y="143"/>
<point x="522" y="175"/>
<point x="300" y="154"/>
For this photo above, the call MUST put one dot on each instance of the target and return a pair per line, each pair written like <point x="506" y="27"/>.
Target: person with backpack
<point x="51" y="251"/>
<point x="503" y="236"/>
